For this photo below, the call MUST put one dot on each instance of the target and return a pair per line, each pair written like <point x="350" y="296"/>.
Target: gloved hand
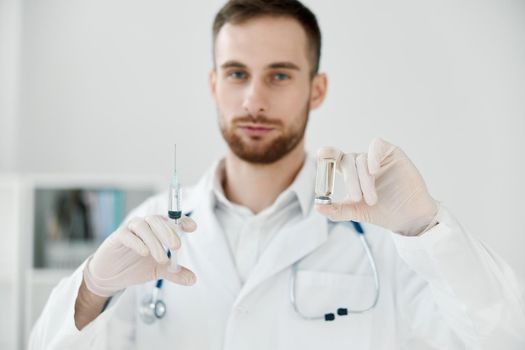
<point x="383" y="188"/>
<point x="134" y="254"/>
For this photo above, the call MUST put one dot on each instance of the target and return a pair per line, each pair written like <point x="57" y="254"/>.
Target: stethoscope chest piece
<point x="160" y="309"/>
<point x="151" y="309"/>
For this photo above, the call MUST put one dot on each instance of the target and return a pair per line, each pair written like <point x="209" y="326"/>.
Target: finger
<point x="141" y="228"/>
<point x="366" y="180"/>
<point x="129" y="240"/>
<point x="329" y="153"/>
<point x="183" y="276"/>
<point x="378" y="151"/>
<point x="349" y="170"/>
<point x="338" y="211"/>
<point x="186" y="224"/>
<point x="166" y="234"/>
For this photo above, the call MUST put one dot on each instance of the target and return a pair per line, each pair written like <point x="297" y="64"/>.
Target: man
<point x="258" y="233"/>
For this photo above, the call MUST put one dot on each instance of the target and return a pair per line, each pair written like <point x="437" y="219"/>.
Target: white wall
<point x="10" y="17"/>
<point x="109" y="86"/>
<point x="10" y="20"/>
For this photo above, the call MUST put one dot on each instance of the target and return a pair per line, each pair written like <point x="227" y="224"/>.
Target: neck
<point x="257" y="186"/>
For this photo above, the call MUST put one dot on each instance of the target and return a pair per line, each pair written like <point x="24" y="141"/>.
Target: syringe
<point x="174" y="208"/>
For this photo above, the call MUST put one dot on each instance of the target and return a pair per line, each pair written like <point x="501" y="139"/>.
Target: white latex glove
<point x="135" y="253"/>
<point x="383" y="188"/>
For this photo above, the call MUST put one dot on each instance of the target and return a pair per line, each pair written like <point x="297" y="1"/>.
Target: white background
<point x="107" y="87"/>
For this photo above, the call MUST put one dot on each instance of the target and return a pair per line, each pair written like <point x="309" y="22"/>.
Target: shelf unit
<point x="24" y="288"/>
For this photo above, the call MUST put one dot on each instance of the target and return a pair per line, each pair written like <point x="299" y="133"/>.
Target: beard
<point x="264" y="149"/>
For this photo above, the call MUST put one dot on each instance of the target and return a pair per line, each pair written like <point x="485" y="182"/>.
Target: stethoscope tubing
<point x="293" y="290"/>
<point x="341" y="311"/>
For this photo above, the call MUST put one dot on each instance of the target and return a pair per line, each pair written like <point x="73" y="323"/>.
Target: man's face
<point x="262" y="87"/>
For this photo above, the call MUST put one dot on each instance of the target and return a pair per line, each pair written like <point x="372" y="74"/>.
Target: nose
<point x="256" y="99"/>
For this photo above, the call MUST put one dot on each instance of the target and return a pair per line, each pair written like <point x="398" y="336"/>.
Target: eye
<point x="237" y="75"/>
<point x="281" y="76"/>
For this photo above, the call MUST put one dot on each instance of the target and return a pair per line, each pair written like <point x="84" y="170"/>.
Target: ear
<point x="319" y="86"/>
<point x="212" y="79"/>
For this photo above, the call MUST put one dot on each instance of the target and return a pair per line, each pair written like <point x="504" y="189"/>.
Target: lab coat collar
<point x="210" y="243"/>
<point x="302" y="186"/>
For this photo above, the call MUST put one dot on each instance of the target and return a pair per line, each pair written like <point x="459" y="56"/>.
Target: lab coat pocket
<point x="331" y="291"/>
<point x="318" y="293"/>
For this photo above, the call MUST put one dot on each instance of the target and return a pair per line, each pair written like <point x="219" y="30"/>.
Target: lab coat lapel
<point x="209" y="245"/>
<point x="286" y="248"/>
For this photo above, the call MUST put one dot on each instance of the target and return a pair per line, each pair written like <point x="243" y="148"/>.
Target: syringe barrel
<point x="174" y="209"/>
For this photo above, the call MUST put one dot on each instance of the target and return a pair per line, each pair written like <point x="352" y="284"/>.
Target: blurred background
<point x="93" y="95"/>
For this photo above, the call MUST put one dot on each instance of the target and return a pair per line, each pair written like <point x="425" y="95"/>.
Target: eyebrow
<point x="237" y="64"/>
<point x="229" y="64"/>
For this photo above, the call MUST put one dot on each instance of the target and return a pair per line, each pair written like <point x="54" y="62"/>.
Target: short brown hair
<point x="237" y="11"/>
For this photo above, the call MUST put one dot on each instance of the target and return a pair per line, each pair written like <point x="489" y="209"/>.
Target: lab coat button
<point x="239" y="310"/>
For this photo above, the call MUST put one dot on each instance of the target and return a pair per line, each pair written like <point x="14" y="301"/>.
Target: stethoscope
<point x="153" y="308"/>
<point x="341" y="311"/>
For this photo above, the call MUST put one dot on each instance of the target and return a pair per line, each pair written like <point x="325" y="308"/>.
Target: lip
<point x="255" y="129"/>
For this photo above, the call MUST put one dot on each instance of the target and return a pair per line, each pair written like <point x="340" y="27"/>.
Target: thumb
<point x="183" y="276"/>
<point x="339" y="211"/>
<point x="378" y="151"/>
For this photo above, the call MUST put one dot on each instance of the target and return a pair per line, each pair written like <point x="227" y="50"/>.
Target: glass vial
<point x="324" y="180"/>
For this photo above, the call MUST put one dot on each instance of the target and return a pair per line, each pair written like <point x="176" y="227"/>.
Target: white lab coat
<point x="442" y="290"/>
